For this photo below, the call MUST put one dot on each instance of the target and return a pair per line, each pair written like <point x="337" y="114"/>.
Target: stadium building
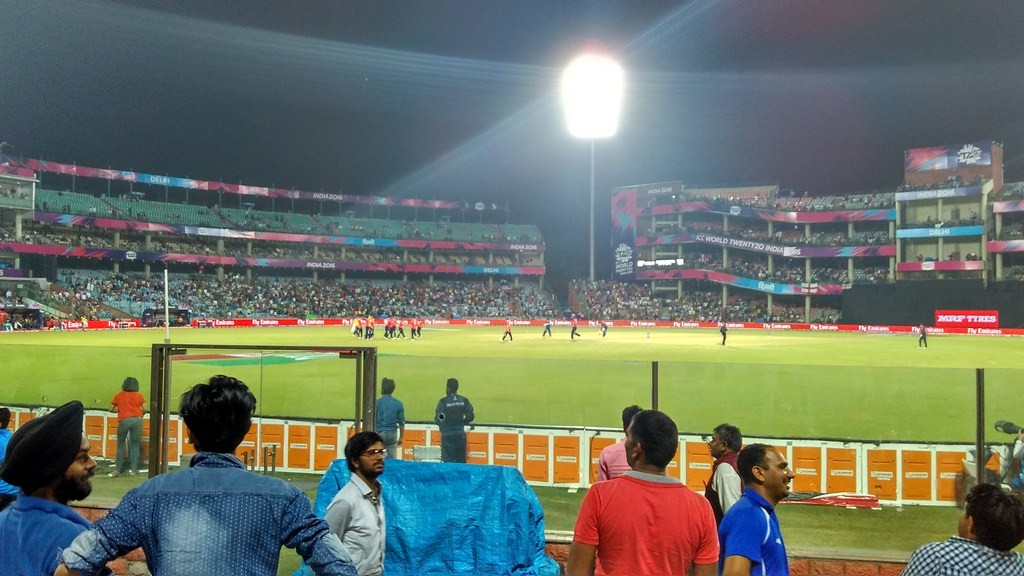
<point x="948" y="238"/>
<point x="108" y="235"/>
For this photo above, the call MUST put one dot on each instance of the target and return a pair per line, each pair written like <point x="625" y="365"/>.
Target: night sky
<point x="459" y="99"/>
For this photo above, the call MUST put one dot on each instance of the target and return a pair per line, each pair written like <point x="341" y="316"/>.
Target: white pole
<point x="591" y="211"/>
<point x="167" y="312"/>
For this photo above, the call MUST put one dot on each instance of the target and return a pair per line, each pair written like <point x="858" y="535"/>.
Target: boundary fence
<point x="896" y="473"/>
<point x="560" y="323"/>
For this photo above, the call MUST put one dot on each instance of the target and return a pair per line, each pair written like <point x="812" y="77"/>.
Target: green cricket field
<point x="770" y="384"/>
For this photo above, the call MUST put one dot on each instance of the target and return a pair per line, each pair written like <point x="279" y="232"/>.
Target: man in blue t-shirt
<point x="390" y="422"/>
<point x="750" y="537"/>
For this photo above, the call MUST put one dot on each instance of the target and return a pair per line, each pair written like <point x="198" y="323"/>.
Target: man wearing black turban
<point x="48" y="458"/>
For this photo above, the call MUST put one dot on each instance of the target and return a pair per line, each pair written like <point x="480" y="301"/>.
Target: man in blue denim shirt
<point x="390" y="417"/>
<point x="215" y="517"/>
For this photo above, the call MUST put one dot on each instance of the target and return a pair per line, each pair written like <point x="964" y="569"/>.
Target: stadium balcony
<point x="162" y="212"/>
<point x="749" y="230"/>
<point x="748" y="226"/>
<point x="132" y="208"/>
<point x="1009" y="191"/>
<point x="240" y="219"/>
<point x="870" y="275"/>
<point x="792" y="204"/>
<point x="745" y="194"/>
<point x="794" y="237"/>
<point x="66" y="202"/>
<point x="822" y="204"/>
<point x="166" y="243"/>
<point x="931" y="222"/>
<point x="12" y="194"/>
<point x="758" y="270"/>
<point x="835" y="274"/>
<point x="953" y="181"/>
<point x="521" y="233"/>
<point x="474" y="232"/>
<point x="702" y="226"/>
<point x="852" y="202"/>
<point x="702" y="260"/>
<point x="1012" y="231"/>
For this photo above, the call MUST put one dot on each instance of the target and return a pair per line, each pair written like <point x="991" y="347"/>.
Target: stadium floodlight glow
<point x="592" y="88"/>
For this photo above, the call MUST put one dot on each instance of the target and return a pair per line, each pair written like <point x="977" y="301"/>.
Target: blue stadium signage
<point x="936" y="194"/>
<point x="941" y="232"/>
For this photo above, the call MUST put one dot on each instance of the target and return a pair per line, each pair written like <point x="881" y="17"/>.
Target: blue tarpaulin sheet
<point x="450" y="519"/>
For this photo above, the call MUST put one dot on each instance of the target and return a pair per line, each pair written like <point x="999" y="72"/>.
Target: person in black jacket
<point x="451" y="415"/>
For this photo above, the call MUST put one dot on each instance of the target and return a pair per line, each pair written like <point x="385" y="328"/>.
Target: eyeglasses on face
<point x="376" y="452"/>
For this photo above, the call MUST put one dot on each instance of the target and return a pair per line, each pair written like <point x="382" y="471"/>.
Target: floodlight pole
<point x="592" y="95"/>
<point x="167" y="310"/>
<point x="591" y="210"/>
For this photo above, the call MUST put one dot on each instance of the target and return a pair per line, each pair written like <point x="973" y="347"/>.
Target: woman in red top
<point x="130" y="406"/>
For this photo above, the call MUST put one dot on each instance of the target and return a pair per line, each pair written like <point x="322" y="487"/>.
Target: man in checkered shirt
<point x="991" y="525"/>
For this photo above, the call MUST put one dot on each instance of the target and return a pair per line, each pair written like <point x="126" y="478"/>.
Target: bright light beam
<point x="592" y="96"/>
<point x="592" y="88"/>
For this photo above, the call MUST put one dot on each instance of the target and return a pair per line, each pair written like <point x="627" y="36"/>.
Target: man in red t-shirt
<point x="613" y="529"/>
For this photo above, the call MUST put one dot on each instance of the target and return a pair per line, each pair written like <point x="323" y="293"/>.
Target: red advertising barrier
<point x="967" y="318"/>
<point x="257" y="322"/>
<point x="594" y="324"/>
<point x="976" y="326"/>
<point x="101" y="324"/>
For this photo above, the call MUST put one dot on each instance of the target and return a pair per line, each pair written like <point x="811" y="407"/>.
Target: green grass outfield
<point x="776" y="384"/>
<point x="785" y="384"/>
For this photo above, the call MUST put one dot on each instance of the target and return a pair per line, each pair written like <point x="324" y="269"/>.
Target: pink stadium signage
<point x="27" y="168"/>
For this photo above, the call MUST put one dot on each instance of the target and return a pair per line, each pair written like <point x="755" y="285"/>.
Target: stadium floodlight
<point x="592" y="88"/>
